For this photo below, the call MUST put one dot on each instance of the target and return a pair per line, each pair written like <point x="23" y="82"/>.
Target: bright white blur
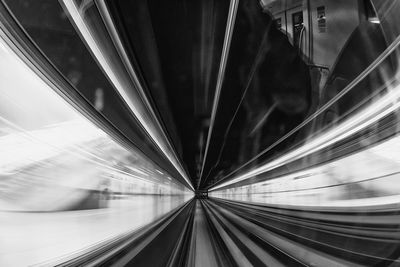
<point x="65" y="185"/>
<point x="52" y="150"/>
<point x="367" y="178"/>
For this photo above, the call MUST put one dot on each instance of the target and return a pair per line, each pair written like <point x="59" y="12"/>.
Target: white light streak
<point x="117" y="80"/>
<point x="364" y="118"/>
<point x="221" y="74"/>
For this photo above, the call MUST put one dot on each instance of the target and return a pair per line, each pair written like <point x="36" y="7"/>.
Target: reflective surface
<point x="314" y="91"/>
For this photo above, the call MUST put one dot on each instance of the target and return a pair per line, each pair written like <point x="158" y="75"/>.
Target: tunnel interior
<point x="208" y="133"/>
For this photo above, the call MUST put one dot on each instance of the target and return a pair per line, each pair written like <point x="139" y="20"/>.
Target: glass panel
<point x="299" y="92"/>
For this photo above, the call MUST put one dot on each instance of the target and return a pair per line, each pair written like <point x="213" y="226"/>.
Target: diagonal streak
<point x="225" y="52"/>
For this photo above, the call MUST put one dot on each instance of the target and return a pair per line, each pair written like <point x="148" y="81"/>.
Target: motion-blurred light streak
<point x="364" y="118"/>
<point x="64" y="160"/>
<point x="122" y="84"/>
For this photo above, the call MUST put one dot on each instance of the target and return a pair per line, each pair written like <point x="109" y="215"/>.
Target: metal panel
<point x="342" y="17"/>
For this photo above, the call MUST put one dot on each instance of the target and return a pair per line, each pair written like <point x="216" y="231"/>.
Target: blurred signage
<point x="321" y="19"/>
